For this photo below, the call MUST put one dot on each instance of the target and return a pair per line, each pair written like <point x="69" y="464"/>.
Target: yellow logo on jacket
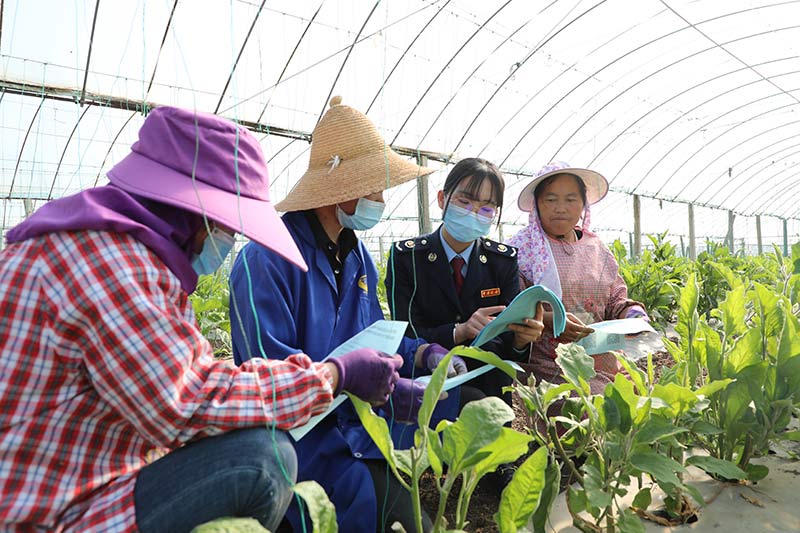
<point x="362" y="284"/>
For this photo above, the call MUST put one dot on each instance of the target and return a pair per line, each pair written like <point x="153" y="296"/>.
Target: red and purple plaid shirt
<point x="103" y="369"/>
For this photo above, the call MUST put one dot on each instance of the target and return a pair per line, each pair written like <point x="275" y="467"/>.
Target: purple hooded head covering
<point x="200" y="163"/>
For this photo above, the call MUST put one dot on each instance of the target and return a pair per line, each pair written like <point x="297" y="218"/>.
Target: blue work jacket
<point x="283" y="310"/>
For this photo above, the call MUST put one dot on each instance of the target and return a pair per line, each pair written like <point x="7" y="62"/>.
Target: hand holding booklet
<point x="522" y="307"/>
<point x="383" y="335"/>
<point x="610" y="334"/>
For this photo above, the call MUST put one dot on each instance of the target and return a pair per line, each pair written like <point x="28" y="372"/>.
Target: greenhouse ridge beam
<point x="63" y="94"/>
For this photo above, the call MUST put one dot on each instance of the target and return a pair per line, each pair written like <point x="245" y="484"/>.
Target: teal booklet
<point x="522" y="307"/>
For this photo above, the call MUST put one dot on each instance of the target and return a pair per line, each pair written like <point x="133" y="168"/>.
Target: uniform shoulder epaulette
<point x="499" y="248"/>
<point x="410" y="245"/>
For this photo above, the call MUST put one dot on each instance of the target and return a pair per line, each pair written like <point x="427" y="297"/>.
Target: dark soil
<point x="486" y="498"/>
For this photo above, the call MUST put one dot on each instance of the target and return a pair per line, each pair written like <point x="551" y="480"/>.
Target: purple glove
<point x="433" y="355"/>
<point x="636" y="311"/>
<point x="406" y="400"/>
<point x="369" y="374"/>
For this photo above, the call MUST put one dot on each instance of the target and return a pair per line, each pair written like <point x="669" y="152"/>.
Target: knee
<point x="273" y="453"/>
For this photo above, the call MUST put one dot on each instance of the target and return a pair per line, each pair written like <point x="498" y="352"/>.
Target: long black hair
<point x="479" y="170"/>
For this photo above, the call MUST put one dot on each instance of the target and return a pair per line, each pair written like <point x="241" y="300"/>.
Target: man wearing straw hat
<point x="116" y="415"/>
<point x="287" y="311"/>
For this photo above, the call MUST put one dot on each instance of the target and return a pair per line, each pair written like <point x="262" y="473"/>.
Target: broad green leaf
<point x="479" y="424"/>
<point x="629" y="522"/>
<point x="662" y="468"/>
<point x="609" y="413"/>
<point x="596" y="492"/>
<point x="552" y="483"/>
<point x="509" y="446"/>
<point x="432" y="391"/>
<point x="320" y="508"/>
<point x="644" y="406"/>
<point x="796" y="258"/>
<point x="713" y="387"/>
<point x="486" y="357"/>
<point x="578" y="367"/>
<point x="737" y="402"/>
<point x="712" y="350"/>
<point x="435" y="453"/>
<point x="404" y="463"/>
<point x="789" y="345"/>
<point x="576" y="500"/>
<point x="554" y="392"/>
<point x="614" y="395"/>
<point x="656" y="429"/>
<point x="521" y="497"/>
<point x="687" y="312"/>
<point x="376" y="427"/>
<point x="733" y="310"/>
<point x="756" y="472"/>
<point x="701" y="427"/>
<point x="643" y="499"/>
<point x="718" y="467"/>
<point x="679" y="399"/>
<point x="768" y="305"/>
<point x="231" y="524"/>
<point x="637" y="376"/>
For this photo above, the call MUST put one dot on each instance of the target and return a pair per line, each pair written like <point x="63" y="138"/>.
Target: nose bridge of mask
<point x="367" y="214"/>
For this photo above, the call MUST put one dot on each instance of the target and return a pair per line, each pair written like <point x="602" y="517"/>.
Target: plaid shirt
<point x="103" y="369"/>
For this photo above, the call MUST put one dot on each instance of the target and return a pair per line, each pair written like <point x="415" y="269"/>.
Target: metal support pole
<point x="637" y="227"/>
<point x="729" y="237"/>
<point x="758" y="234"/>
<point x="692" y="237"/>
<point x="28" y="205"/>
<point x="423" y="207"/>
<point x="785" y="237"/>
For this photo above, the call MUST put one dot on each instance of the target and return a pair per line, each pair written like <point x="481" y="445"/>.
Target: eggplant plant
<point x="605" y="442"/>
<point x="466" y="449"/>
<point x="755" y="353"/>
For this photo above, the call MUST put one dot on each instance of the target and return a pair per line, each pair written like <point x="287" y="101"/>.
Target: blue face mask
<point x="464" y="225"/>
<point x="216" y="248"/>
<point x="368" y="213"/>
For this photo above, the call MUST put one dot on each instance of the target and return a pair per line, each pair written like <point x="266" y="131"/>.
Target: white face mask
<point x="216" y="248"/>
<point x="367" y="214"/>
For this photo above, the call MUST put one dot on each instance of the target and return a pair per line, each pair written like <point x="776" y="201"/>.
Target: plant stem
<point x="414" y="489"/>
<point x="560" y="449"/>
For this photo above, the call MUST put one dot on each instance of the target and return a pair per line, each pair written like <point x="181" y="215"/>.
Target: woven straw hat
<point x="596" y="184"/>
<point x="349" y="160"/>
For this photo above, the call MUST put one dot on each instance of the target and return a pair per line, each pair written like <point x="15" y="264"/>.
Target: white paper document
<point x="383" y="335"/>
<point x="455" y="381"/>
<point x="610" y="334"/>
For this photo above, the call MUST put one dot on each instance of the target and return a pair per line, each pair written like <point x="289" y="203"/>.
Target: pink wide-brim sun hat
<point x="596" y="184"/>
<point x="207" y="165"/>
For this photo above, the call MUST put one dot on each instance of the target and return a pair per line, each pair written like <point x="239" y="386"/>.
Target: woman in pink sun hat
<point x="557" y="249"/>
<point x="116" y="416"/>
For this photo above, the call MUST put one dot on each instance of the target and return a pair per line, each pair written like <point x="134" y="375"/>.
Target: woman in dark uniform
<point x="450" y="283"/>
